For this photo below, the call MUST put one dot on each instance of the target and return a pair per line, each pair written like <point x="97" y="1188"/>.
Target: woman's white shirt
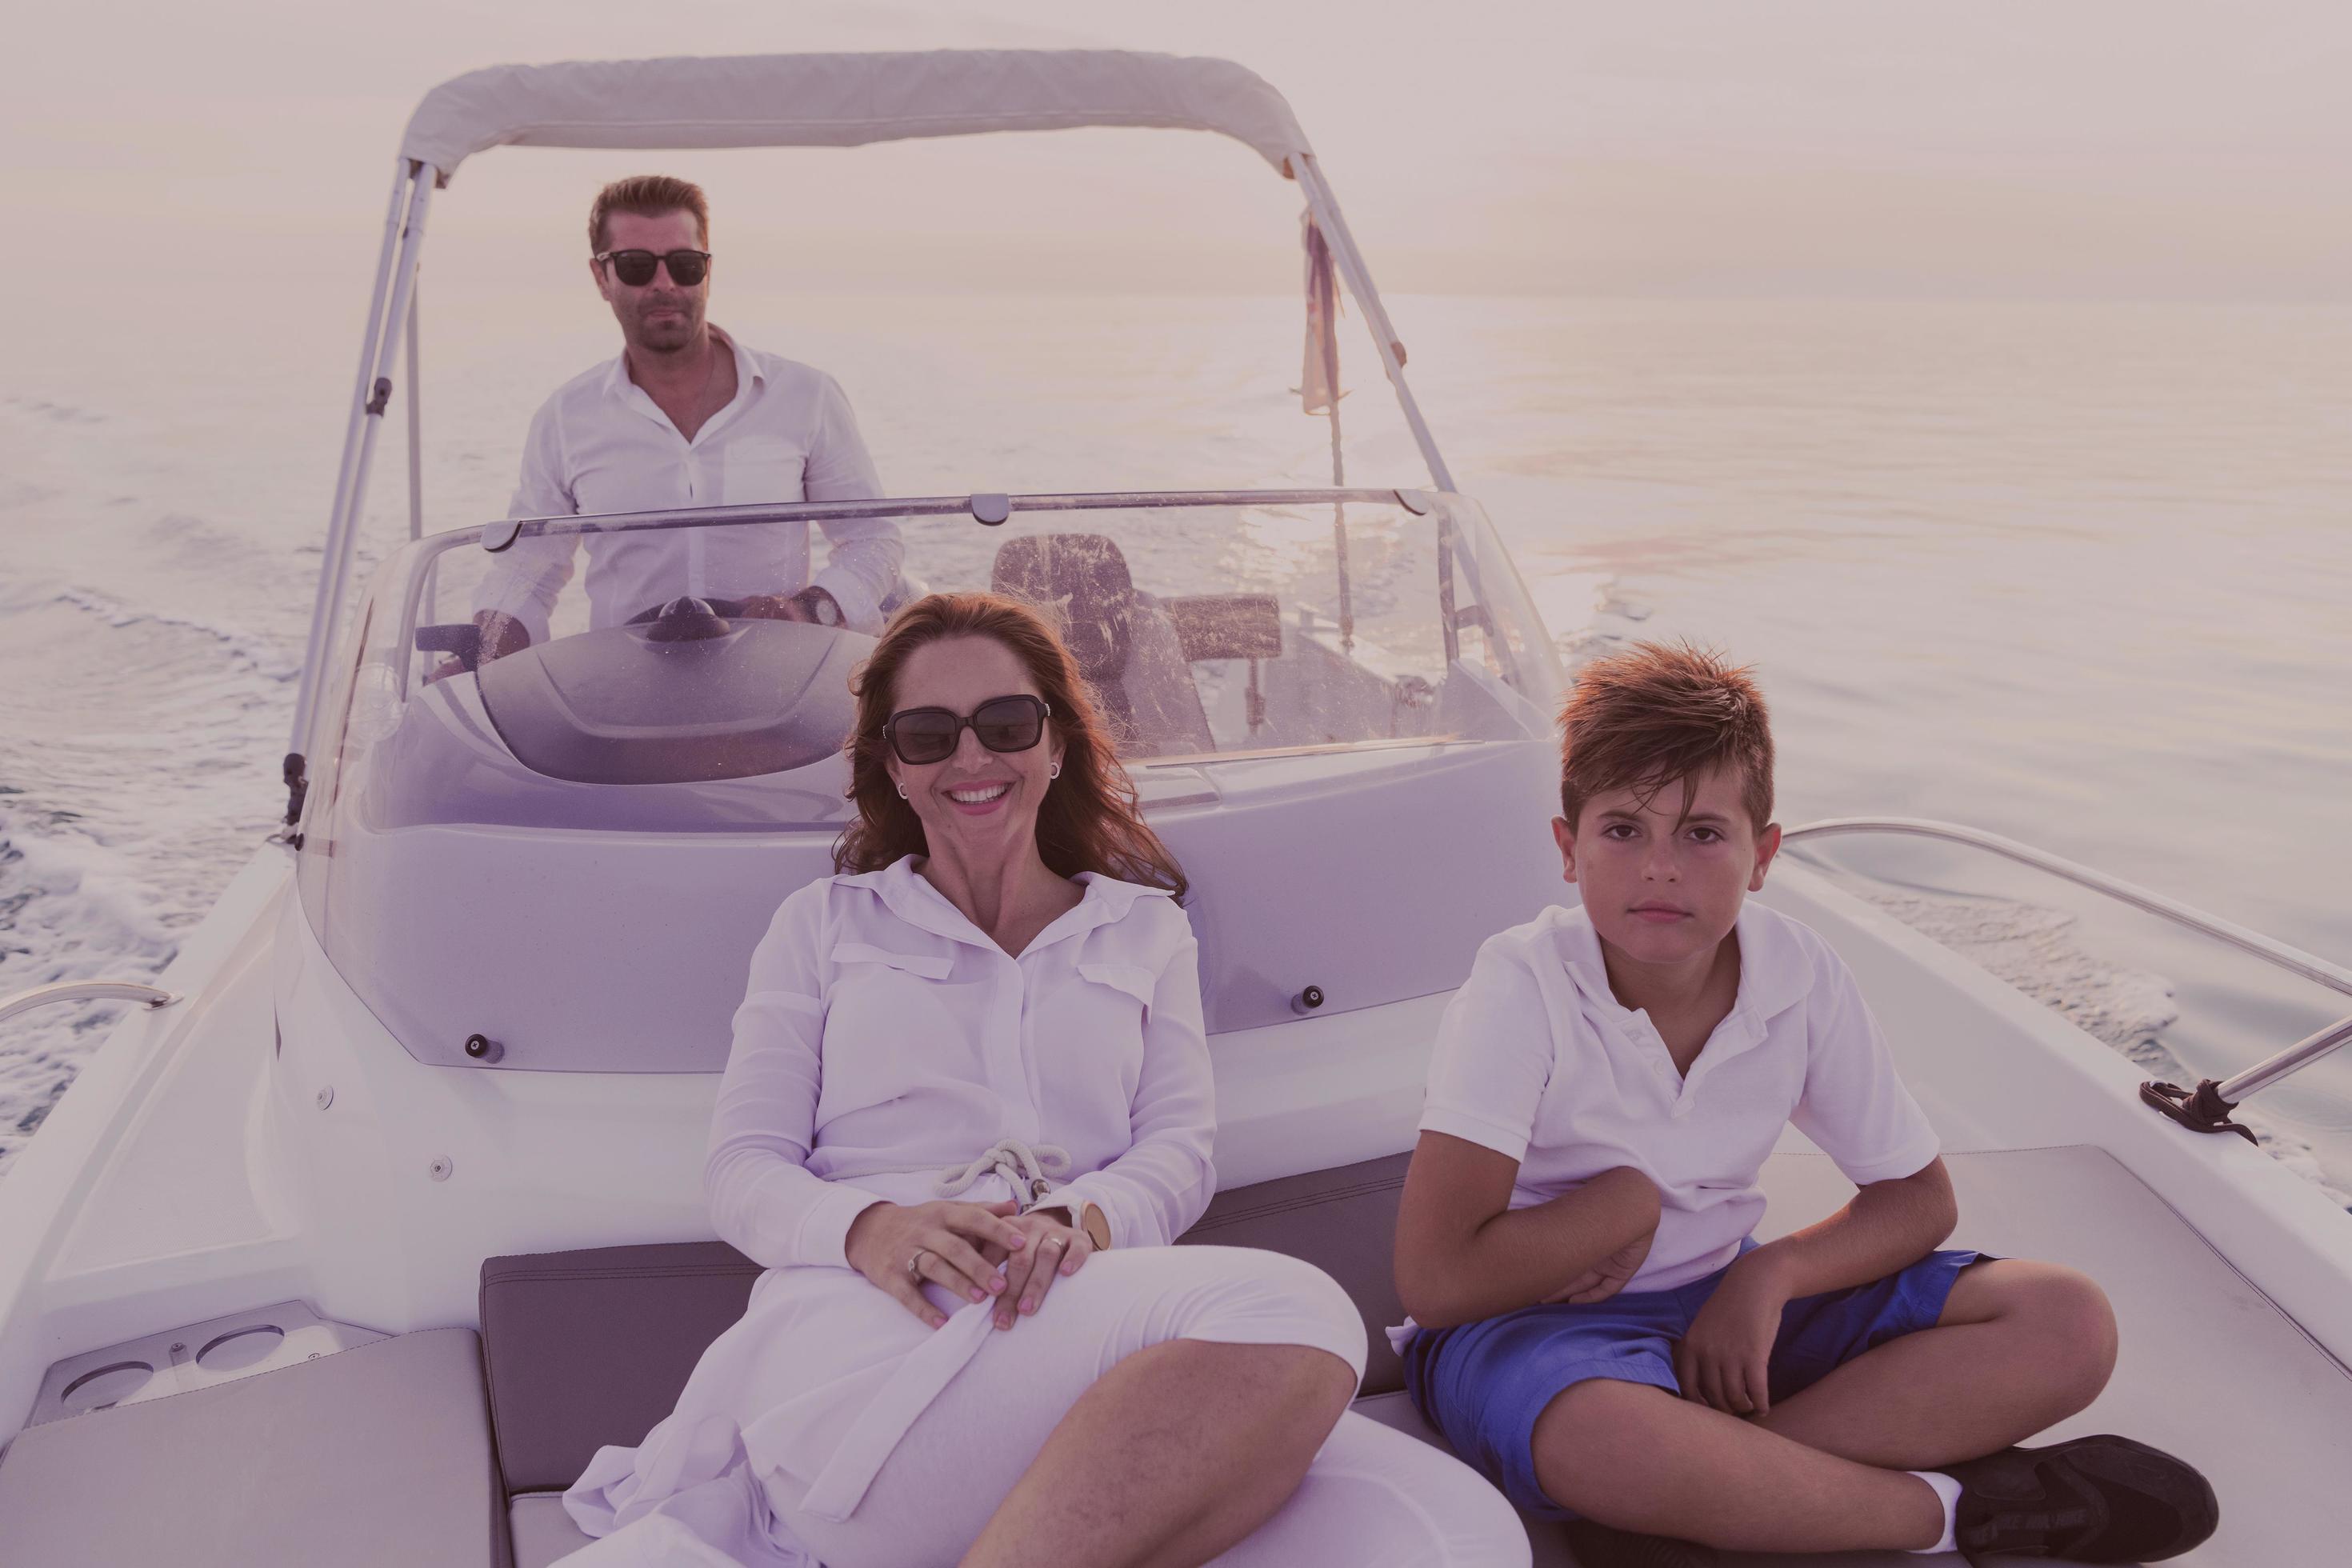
<point x="884" y="1039"/>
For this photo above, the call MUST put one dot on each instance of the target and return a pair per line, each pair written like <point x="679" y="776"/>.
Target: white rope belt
<point x="1026" y="1169"/>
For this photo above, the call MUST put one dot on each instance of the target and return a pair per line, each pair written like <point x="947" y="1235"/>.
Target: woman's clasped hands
<point x="976" y="1251"/>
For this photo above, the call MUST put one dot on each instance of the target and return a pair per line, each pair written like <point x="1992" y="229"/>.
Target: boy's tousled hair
<point x="1659" y="715"/>
<point x="647" y="195"/>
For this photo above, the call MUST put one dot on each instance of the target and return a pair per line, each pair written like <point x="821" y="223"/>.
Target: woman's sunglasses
<point x="924" y="735"/>
<point x="635" y="267"/>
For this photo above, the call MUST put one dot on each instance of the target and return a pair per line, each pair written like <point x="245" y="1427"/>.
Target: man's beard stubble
<point x="670" y="335"/>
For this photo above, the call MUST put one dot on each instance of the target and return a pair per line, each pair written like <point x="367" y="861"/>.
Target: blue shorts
<point x="1482" y="1385"/>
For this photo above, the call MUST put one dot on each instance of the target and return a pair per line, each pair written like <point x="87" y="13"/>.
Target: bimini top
<point x="843" y="100"/>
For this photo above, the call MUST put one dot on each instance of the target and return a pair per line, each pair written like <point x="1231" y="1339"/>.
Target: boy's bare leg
<point x="2020" y="1347"/>
<point x="1641" y="1459"/>
<point x="1172" y="1455"/>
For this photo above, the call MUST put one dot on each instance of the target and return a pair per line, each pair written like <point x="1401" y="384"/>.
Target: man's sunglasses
<point x="635" y="267"/>
<point x="924" y="735"/>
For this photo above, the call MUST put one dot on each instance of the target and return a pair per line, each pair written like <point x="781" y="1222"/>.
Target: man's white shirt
<point x="601" y="445"/>
<point x="1537" y="1060"/>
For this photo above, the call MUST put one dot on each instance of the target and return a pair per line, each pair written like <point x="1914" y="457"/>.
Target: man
<point x="686" y="416"/>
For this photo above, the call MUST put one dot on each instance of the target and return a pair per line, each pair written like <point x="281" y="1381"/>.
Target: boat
<point x="383" y="1209"/>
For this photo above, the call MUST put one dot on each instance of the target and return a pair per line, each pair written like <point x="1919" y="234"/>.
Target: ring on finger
<point x="915" y="1264"/>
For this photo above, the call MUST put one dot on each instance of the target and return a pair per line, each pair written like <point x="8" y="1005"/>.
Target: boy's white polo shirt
<point x="1537" y="1060"/>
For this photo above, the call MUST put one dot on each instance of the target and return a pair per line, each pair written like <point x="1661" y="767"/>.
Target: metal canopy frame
<point x="392" y="328"/>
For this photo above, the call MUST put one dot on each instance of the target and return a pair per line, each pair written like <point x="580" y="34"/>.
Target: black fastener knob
<point x="483" y="1049"/>
<point x="1306" y="1001"/>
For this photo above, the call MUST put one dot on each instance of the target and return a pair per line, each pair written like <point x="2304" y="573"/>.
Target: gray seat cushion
<point x="642" y="1316"/>
<point x="376" y="1455"/>
<point x="542" y="1531"/>
<point x="588" y="1348"/>
<point x="1344" y="1222"/>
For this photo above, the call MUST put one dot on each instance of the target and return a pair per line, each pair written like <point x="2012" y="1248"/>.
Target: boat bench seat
<point x="375" y="1457"/>
<point x="589" y="1348"/>
<point x="592" y="1347"/>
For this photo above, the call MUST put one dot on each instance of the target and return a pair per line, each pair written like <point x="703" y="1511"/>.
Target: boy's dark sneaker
<point x="2093" y="1499"/>
<point x="1599" y="1546"/>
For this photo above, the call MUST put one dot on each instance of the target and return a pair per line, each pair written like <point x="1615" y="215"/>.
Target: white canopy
<point x="843" y="100"/>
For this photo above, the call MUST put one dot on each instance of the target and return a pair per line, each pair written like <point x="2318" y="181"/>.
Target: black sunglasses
<point x="635" y="267"/>
<point x="924" y="735"/>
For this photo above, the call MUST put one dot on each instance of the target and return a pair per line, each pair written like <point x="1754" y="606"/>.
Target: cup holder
<point x="250" y="1343"/>
<point x="241" y="1348"/>
<point x="105" y="1385"/>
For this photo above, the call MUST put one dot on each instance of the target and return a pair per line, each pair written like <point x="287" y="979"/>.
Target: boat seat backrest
<point x="1080" y="582"/>
<point x="1226" y="626"/>
<point x="593" y="1347"/>
<point x="1123" y="640"/>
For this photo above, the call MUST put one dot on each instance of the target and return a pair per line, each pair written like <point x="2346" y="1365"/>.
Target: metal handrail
<point x="2210" y="1103"/>
<point x="86" y="991"/>
<point x="985" y="509"/>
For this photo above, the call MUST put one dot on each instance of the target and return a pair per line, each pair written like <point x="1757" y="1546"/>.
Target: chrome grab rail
<point x="85" y="991"/>
<point x="2206" y="1108"/>
<point x="989" y="510"/>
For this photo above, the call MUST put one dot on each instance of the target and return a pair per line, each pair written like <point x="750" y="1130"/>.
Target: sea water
<point x="2076" y="573"/>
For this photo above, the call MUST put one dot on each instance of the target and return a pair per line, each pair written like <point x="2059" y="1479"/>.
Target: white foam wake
<point x="72" y="909"/>
<point x="2034" y="950"/>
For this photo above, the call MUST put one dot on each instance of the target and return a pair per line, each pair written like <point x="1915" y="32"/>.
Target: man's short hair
<point x="1657" y="715"/>
<point x="648" y="196"/>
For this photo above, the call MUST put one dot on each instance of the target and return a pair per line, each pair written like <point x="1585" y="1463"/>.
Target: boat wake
<point x="137" y="750"/>
<point x="2034" y="950"/>
<point x="246" y="652"/>
<point x="70" y="909"/>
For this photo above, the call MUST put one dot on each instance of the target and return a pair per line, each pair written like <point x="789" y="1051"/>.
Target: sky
<point x="1814" y="148"/>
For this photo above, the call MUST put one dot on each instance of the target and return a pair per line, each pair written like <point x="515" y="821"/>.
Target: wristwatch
<point x="821" y="607"/>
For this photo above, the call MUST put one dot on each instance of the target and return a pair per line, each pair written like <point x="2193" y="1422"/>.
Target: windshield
<point x="667" y="674"/>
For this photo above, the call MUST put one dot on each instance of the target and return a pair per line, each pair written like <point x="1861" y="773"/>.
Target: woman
<point x="968" y="1108"/>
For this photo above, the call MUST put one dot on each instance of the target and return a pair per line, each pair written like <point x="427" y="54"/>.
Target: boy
<point x="1592" y="1325"/>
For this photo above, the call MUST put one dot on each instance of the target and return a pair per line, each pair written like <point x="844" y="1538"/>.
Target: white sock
<point x="1947" y="1491"/>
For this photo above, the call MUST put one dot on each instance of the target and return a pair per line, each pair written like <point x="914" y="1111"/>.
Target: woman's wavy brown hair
<point x="1089" y="819"/>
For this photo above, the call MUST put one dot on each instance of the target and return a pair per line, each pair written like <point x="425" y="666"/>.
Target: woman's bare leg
<point x="1172" y="1455"/>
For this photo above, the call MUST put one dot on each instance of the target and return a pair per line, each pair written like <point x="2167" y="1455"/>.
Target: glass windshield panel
<point x="632" y="672"/>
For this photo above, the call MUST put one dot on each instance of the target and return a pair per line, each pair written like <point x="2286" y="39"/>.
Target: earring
<point x="902" y="792"/>
<point x="1053" y="770"/>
